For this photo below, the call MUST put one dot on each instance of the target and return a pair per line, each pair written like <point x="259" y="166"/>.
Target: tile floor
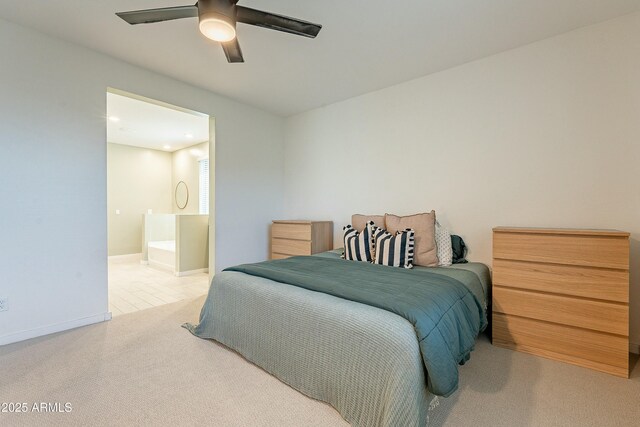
<point x="134" y="286"/>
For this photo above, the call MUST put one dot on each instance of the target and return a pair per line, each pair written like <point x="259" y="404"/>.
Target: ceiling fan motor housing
<point x="224" y="10"/>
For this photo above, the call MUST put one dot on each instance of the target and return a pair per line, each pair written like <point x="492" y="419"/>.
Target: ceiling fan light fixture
<point x="217" y="29"/>
<point x="217" y="21"/>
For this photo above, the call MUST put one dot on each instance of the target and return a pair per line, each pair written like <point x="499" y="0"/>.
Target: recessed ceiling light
<point x="167" y="147"/>
<point x="114" y="119"/>
<point x="188" y="135"/>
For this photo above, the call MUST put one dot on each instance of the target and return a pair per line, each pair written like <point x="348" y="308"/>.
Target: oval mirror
<point x="182" y="195"/>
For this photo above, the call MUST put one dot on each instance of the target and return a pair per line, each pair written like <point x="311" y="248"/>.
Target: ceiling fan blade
<point x="149" y="16"/>
<point x="277" y="22"/>
<point x="232" y="51"/>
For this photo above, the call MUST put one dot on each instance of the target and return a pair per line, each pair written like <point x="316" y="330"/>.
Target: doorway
<point x="159" y="202"/>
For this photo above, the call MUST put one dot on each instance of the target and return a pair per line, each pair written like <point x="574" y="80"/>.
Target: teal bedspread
<point x="447" y="316"/>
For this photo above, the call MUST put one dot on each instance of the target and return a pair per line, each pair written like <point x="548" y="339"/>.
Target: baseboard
<point x="144" y="262"/>
<point x="634" y="348"/>
<point x="52" y="329"/>
<point x="191" y="272"/>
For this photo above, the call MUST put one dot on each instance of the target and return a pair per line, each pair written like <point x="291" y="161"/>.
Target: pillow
<point x="394" y="251"/>
<point x="459" y="249"/>
<point x="359" y="246"/>
<point x="443" y="243"/>
<point x="424" y="225"/>
<point x="359" y="221"/>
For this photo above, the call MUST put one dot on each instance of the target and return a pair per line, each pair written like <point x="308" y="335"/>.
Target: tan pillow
<point x="424" y="225"/>
<point x="358" y="221"/>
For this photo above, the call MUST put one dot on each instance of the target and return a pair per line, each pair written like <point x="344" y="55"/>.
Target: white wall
<point x="138" y="179"/>
<point x="53" y="251"/>
<point x="544" y="135"/>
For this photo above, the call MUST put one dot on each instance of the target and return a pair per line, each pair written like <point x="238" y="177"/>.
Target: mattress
<point x="479" y="269"/>
<point x="362" y="360"/>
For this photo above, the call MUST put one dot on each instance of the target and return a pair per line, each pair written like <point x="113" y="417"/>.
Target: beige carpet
<point x="144" y="369"/>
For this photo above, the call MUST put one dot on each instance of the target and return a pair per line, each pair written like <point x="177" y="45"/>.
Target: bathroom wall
<point x="192" y="243"/>
<point x="186" y="168"/>
<point x="138" y="179"/>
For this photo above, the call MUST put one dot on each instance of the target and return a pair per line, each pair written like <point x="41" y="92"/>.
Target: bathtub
<point x="176" y="243"/>
<point x="162" y="254"/>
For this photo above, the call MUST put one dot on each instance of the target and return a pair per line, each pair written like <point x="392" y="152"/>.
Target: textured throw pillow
<point x="424" y="225"/>
<point x="359" y="221"/>
<point x="394" y="251"/>
<point x="443" y="243"/>
<point x="358" y="246"/>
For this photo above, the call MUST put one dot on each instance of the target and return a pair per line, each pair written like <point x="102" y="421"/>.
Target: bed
<point x="365" y="361"/>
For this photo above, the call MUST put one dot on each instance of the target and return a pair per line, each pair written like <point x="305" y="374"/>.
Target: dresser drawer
<point x="588" y="282"/>
<point x="290" y="247"/>
<point x="300" y="237"/>
<point x="607" y="353"/>
<point x="291" y="231"/>
<point x="585" y="250"/>
<point x="596" y="315"/>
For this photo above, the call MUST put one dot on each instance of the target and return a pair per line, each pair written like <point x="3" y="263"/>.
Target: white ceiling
<point x="143" y="124"/>
<point x="363" y="46"/>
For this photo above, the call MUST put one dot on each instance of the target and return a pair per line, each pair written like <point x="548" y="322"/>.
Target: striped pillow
<point x="358" y="246"/>
<point x="394" y="251"/>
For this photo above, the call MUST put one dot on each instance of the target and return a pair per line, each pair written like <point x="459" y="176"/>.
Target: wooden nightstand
<point x="290" y="238"/>
<point x="563" y="294"/>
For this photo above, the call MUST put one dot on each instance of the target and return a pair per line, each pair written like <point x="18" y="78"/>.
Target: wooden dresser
<point x="563" y="294"/>
<point x="289" y="238"/>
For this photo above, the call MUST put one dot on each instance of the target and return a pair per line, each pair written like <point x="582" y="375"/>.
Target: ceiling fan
<point x="217" y="21"/>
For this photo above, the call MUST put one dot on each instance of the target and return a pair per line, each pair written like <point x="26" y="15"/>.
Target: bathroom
<point x="158" y="170"/>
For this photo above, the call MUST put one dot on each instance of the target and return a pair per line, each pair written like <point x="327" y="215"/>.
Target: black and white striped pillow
<point x="394" y="251"/>
<point x="358" y="246"/>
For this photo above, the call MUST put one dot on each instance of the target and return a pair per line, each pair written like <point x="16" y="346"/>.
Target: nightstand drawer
<point x="291" y="247"/>
<point x="589" y="314"/>
<point x="588" y="282"/>
<point x="300" y="237"/>
<point x="596" y="350"/>
<point x="291" y="231"/>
